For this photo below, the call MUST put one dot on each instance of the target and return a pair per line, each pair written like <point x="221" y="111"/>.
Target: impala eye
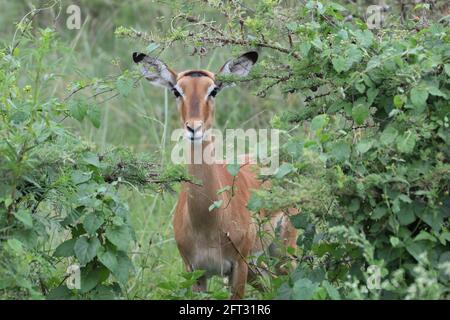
<point x="176" y="93"/>
<point x="214" y="92"/>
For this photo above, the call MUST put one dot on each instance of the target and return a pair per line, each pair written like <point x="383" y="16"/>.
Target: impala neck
<point x="202" y="195"/>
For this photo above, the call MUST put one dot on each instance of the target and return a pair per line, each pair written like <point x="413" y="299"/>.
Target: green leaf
<point x="433" y="218"/>
<point x="416" y="249"/>
<point x="86" y="249"/>
<point x="79" y="176"/>
<point x="423" y="235"/>
<point x="108" y="259"/>
<point x="294" y="148"/>
<point x="353" y="55"/>
<point x="233" y="168"/>
<point x="340" y="64"/>
<point x="444" y="257"/>
<point x="222" y="190"/>
<point x="292" y="26"/>
<point x="124" y="267"/>
<point x="419" y="96"/>
<point x="320" y="294"/>
<point x="194" y="275"/>
<point x="317" y="43"/>
<point x="342" y="34"/>
<point x="91" y="158"/>
<point x="388" y="136"/>
<point x="360" y="112"/>
<point x="255" y="203"/>
<point x="284" y="170"/>
<point x="303" y="289"/>
<point x="378" y="213"/>
<point x="117" y="221"/>
<point x="16" y="246"/>
<point x="406" y="215"/>
<point x="65" y="249"/>
<point x="333" y="293"/>
<point x="336" y="6"/>
<point x="373" y="63"/>
<point x="106" y="292"/>
<point x="444" y="237"/>
<point x="360" y="87"/>
<point x="124" y="86"/>
<point x="92" y="222"/>
<point x="364" y="145"/>
<point x="78" y="109"/>
<point x="322" y="248"/>
<point x="25" y="217"/>
<point x="59" y="293"/>
<point x="93" y="115"/>
<point x="364" y="38"/>
<point x="120" y="236"/>
<point x="340" y="150"/>
<point x="304" y="48"/>
<point x="72" y="217"/>
<point x="406" y="142"/>
<point x="92" y="276"/>
<point x="372" y="93"/>
<point x="395" y="241"/>
<point x="447" y="69"/>
<point x="319" y="122"/>
<point x="399" y="101"/>
<point x="299" y="221"/>
<point x="284" y="292"/>
<point x="215" y="205"/>
<point x="435" y="91"/>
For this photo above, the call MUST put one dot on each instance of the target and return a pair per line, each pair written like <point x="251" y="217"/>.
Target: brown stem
<point x="242" y="42"/>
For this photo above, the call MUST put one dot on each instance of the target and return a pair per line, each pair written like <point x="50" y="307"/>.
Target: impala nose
<point x="193" y="127"/>
<point x="194" y="130"/>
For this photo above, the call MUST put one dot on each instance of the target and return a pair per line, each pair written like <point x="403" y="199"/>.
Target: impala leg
<point x="238" y="280"/>
<point x="201" y="284"/>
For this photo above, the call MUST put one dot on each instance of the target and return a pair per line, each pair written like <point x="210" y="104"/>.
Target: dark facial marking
<point x="137" y="57"/>
<point x="196" y="74"/>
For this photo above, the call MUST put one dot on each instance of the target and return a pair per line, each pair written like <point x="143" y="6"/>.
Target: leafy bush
<point x="367" y="148"/>
<point x="59" y="198"/>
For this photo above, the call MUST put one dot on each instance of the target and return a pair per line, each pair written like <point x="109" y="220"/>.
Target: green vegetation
<point x="85" y="172"/>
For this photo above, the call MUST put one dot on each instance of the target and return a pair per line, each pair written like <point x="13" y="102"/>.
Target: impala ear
<point x="240" y="66"/>
<point x="155" y="71"/>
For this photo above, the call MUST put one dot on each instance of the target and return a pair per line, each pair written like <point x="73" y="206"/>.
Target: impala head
<point x="195" y="90"/>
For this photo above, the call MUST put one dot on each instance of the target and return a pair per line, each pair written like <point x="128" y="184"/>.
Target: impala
<point x="217" y="241"/>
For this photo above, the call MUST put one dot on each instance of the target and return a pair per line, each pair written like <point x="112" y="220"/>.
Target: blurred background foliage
<point x="365" y="150"/>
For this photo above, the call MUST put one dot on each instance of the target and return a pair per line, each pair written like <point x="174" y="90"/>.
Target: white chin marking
<point x="194" y="139"/>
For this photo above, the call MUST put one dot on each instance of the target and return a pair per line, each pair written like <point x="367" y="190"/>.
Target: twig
<point x="241" y="42"/>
